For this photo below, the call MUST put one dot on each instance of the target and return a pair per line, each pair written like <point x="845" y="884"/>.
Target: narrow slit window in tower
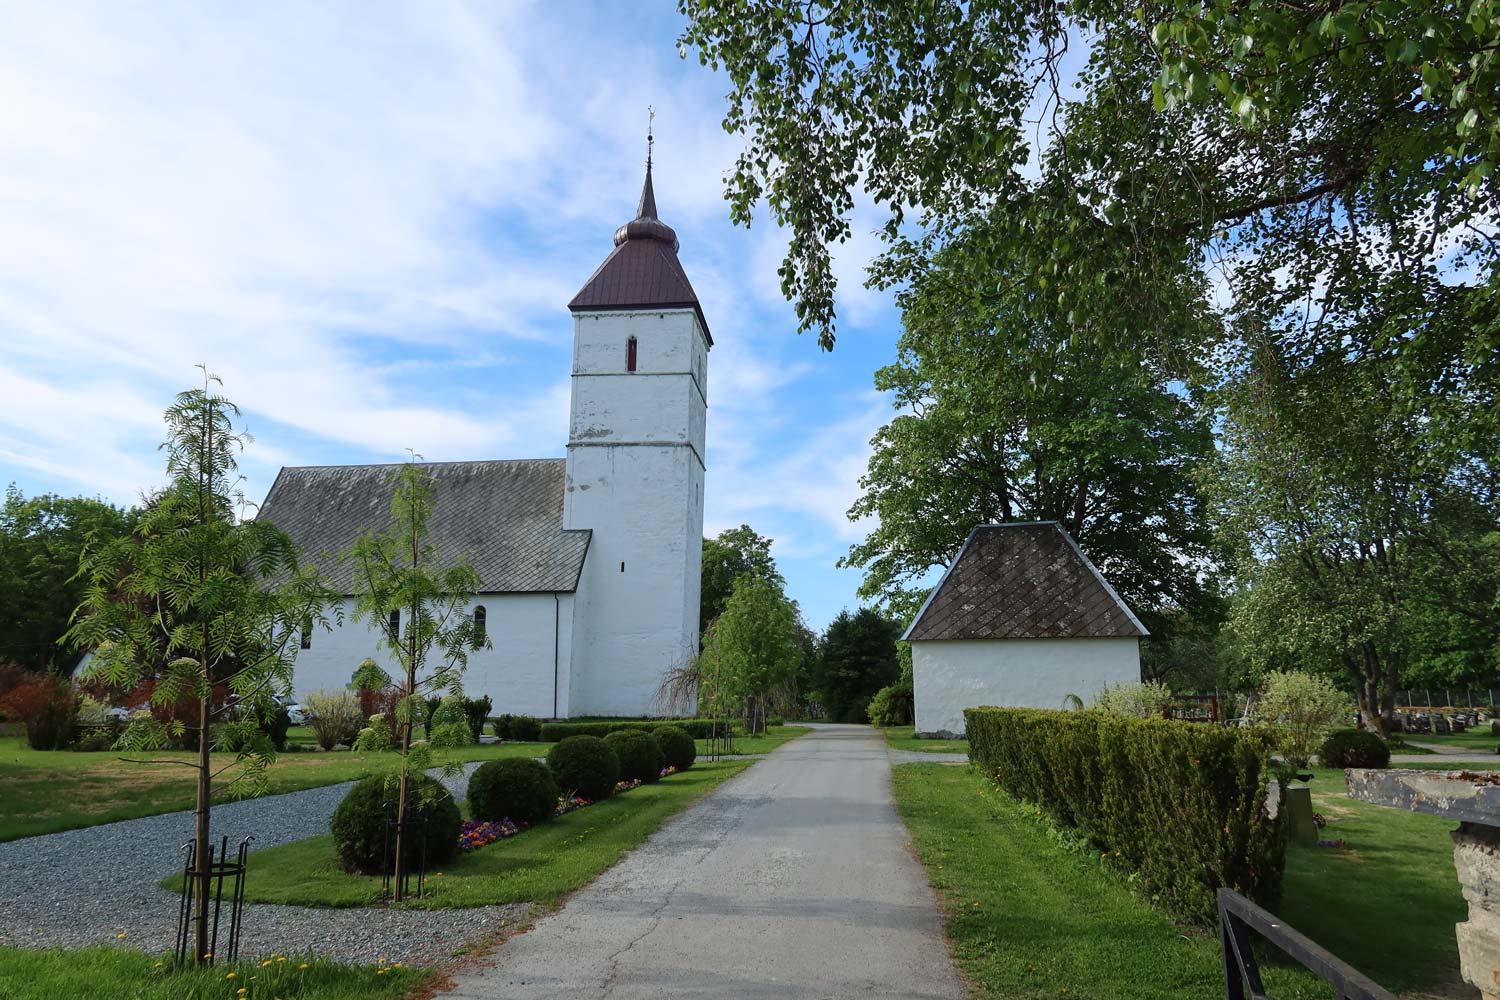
<point x="394" y="625"/>
<point x="479" y="622"/>
<point x="630" y="355"/>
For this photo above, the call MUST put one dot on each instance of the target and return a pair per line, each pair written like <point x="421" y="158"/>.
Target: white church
<point x="590" y="563"/>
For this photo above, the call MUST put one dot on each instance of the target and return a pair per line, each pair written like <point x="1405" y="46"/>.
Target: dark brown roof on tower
<point x="1023" y="581"/>
<point x="642" y="272"/>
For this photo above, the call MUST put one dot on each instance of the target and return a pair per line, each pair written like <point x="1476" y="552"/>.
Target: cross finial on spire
<point x="647" y="207"/>
<point x="650" y="139"/>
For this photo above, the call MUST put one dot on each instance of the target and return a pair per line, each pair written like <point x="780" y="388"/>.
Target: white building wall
<point x="635" y="477"/>
<point x="954" y="674"/>
<point x="530" y="635"/>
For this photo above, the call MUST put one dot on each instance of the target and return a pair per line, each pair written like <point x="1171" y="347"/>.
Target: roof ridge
<point x="386" y="465"/>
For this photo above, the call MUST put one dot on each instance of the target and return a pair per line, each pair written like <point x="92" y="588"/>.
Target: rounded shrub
<point x="518" y="789"/>
<point x="1354" y="748"/>
<point x="359" y="824"/>
<point x="586" y="766"/>
<point x="641" y="757"/>
<point x="677" y="745"/>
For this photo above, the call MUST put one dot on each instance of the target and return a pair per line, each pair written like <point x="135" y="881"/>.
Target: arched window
<point x="307" y="633"/>
<point x="393" y="625"/>
<point x="630" y="355"/>
<point x="480" y="615"/>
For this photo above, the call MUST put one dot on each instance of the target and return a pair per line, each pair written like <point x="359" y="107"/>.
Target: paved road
<point x="792" y="881"/>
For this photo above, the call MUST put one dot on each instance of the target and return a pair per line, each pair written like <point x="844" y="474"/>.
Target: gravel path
<point x="88" y="886"/>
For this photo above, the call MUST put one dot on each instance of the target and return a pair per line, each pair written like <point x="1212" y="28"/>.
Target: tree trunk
<point x="201" y="835"/>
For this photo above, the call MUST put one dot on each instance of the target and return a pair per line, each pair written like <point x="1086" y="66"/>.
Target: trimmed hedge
<point x="641" y="757"/>
<point x="1181" y="804"/>
<point x="677" y="745"/>
<point x="521" y="728"/>
<point x="698" y="729"/>
<point x="1354" y="748"/>
<point x="585" y="765"/>
<point x="359" y="823"/>
<point x="518" y="789"/>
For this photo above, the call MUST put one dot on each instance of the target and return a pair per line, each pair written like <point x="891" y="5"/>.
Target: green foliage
<point x="520" y="789"/>
<point x="1142" y="700"/>
<point x="476" y="711"/>
<point x="521" y="728"/>
<point x="699" y="729"/>
<point x="1181" y="805"/>
<point x="586" y="766"/>
<point x="1301" y="710"/>
<point x="857" y="657"/>
<point x="274" y="723"/>
<point x="334" y="717"/>
<point x="677" y="746"/>
<point x="375" y="737"/>
<point x="892" y="705"/>
<point x="733" y="553"/>
<point x="1354" y="748"/>
<point x="641" y="757"/>
<point x="399" y="570"/>
<point x="750" y="651"/>
<point x="42" y="541"/>
<point x="359" y="823"/>
<point x="370" y="676"/>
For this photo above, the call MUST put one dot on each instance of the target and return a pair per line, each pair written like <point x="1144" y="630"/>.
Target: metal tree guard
<point x="218" y="872"/>
<point x="388" y="855"/>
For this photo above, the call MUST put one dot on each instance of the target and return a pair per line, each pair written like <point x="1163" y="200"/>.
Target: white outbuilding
<point x="1021" y="619"/>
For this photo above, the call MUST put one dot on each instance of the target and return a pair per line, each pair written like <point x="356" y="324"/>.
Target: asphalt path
<point x="793" y="880"/>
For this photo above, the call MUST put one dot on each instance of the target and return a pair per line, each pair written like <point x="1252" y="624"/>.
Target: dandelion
<point x="122" y="935"/>
<point x="265" y="963"/>
<point x="302" y="966"/>
<point x="156" y="966"/>
<point x="230" y="976"/>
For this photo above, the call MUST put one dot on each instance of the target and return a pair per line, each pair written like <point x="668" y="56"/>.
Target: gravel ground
<point x="89" y="886"/>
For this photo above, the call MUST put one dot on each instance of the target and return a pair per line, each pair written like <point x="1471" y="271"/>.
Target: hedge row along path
<point x="89" y="886"/>
<point x="793" y="880"/>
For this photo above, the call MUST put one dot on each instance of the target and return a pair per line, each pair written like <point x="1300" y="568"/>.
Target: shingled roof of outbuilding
<point x="505" y="517"/>
<point x="642" y="271"/>
<point x="1023" y="581"/>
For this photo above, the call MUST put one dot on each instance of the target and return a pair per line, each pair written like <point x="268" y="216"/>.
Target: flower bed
<point x="475" y="834"/>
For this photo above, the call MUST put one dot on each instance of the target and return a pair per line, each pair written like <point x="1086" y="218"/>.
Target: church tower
<point x="635" y="468"/>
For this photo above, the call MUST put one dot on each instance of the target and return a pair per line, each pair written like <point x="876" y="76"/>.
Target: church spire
<point x="647" y="207"/>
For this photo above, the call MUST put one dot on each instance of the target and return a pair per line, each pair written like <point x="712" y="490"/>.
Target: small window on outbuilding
<point x="480" y="616"/>
<point x="393" y="625"/>
<point x="630" y="355"/>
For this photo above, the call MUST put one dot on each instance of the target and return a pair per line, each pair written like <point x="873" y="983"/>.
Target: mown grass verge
<point x="905" y="738"/>
<point x="125" y="972"/>
<point x="51" y="790"/>
<point x="773" y="737"/>
<point x="1031" y="914"/>
<point x="540" y="865"/>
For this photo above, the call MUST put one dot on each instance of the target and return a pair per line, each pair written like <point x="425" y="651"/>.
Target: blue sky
<point x="368" y="219"/>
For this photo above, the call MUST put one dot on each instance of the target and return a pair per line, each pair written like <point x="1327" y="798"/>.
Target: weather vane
<point x="650" y="139"/>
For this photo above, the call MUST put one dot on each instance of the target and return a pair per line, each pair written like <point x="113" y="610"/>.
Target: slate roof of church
<point x="642" y="271"/>
<point x="1023" y="581"/>
<point x="504" y="516"/>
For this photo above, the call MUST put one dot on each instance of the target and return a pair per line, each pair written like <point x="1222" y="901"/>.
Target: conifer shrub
<point x="1354" y="748"/>
<point x="586" y="766"/>
<point x="359" y="824"/>
<point x="641" y="757"/>
<point x="1181" y="805"/>
<point x="680" y="749"/>
<point x="476" y="711"/>
<point x="518" y="789"/>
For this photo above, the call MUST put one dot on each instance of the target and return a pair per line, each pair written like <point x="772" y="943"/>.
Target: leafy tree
<point x="397" y="572"/>
<point x="749" y="650"/>
<point x="734" y="553"/>
<point x="858" y="657"/>
<point x="42" y="540"/>
<point x="986" y="433"/>
<point x="1302" y="710"/>
<point x="195" y="598"/>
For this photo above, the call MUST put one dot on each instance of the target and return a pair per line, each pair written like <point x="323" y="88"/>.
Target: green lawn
<point x="1386" y="905"/>
<point x="540" y="865"/>
<point x="773" y="737"/>
<point x="51" y="790"/>
<point x="905" y="738"/>
<point x="125" y="972"/>
<point x="1477" y="740"/>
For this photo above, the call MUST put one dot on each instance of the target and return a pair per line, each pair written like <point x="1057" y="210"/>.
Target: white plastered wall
<point x="635" y="477"/>
<point x="954" y="674"/>
<point x="531" y="638"/>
